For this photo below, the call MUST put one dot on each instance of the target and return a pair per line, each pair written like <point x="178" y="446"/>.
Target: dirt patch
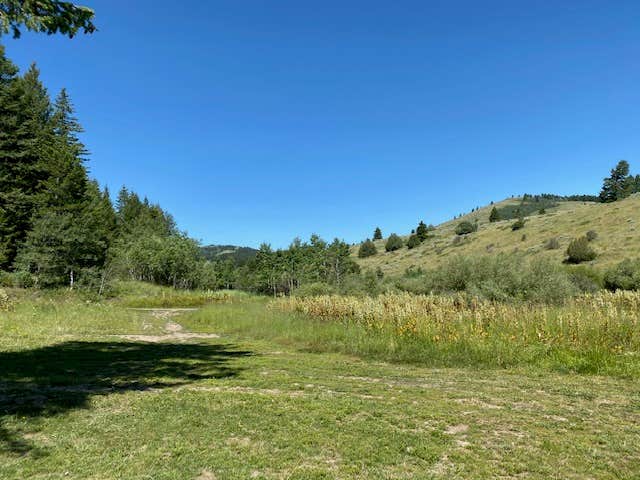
<point x="456" y="429"/>
<point x="164" y="312"/>
<point x="206" y="475"/>
<point x="175" y="332"/>
<point x="174" y="337"/>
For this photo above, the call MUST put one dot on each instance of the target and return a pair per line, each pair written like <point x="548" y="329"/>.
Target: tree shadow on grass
<point x="51" y="380"/>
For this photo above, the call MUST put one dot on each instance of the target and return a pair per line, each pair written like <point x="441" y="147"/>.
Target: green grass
<point x="78" y="401"/>
<point x="617" y="225"/>
<point x="144" y="295"/>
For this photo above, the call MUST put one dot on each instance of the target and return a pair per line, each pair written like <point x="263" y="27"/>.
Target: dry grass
<point x="589" y="333"/>
<point x="617" y="225"/>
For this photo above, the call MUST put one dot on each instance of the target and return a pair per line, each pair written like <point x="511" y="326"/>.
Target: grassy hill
<point x="617" y="225"/>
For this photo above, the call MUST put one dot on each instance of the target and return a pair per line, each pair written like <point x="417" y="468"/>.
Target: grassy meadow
<point x="617" y="225"/>
<point x="246" y="387"/>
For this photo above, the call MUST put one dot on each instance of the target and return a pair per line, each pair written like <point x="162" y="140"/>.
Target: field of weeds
<point x="591" y="333"/>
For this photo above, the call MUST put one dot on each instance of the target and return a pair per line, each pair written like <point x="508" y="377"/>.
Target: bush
<point x="464" y="228"/>
<point x="413" y="241"/>
<point x="580" y="251"/>
<point x="552" y="244"/>
<point x="519" y="224"/>
<point x="494" y="216"/>
<point x="367" y="249"/>
<point x="501" y="278"/>
<point x="394" y="242"/>
<point x="624" y="276"/>
<point x="314" y="289"/>
<point x="585" y="279"/>
<point x="591" y="235"/>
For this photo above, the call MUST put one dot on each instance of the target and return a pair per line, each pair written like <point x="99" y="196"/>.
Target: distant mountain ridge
<point x="239" y="255"/>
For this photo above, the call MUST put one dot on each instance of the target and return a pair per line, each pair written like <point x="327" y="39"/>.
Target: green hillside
<point x="617" y="226"/>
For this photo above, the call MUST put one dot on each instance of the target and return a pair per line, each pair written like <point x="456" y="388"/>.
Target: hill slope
<point x="617" y="225"/>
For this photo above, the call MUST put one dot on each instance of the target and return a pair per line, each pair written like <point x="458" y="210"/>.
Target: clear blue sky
<point x="257" y="121"/>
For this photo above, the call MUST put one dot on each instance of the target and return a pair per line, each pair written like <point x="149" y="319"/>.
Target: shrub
<point x="377" y="234"/>
<point x="624" y="276"/>
<point x="523" y="238"/>
<point x="502" y="278"/>
<point x="542" y="211"/>
<point x="494" y="216"/>
<point x="552" y="244"/>
<point x="394" y="242"/>
<point x="367" y="249"/>
<point x="580" y="251"/>
<point x="591" y="235"/>
<point x="6" y="303"/>
<point x="314" y="289"/>
<point x="585" y="279"/>
<point x="464" y="228"/>
<point x="519" y="224"/>
<point x="413" y="241"/>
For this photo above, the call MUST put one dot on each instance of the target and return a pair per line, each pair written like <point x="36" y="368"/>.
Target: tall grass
<point x="593" y="333"/>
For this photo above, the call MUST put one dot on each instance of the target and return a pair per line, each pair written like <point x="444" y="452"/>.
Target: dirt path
<point x="174" y="331"/>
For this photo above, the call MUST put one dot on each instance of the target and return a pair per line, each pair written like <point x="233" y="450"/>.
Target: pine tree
<point x="25" y="146"/>
<point x="47" y="16"/>
<point x="618" y="185"/>
<point x="494" y="216"/>
<point x="422" y="231"/>
<point x="377" y="234"/>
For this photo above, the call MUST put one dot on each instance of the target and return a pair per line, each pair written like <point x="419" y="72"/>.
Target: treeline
<point x="302" y="264"/>
<point x="57" y="227"/>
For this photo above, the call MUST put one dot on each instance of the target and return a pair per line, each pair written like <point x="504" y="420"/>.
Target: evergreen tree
<point x="367" y="249"/>
<point x="422" y="231"/>
<point x="377" y="234"/>
<point x="26" y="140"/>
<point x="46" y="16"/>
<point x="618" y="185"/>
<point x="494" y="216"/>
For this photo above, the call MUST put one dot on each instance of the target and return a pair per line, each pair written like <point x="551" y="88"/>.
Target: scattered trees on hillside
<point x="367" y="249"/>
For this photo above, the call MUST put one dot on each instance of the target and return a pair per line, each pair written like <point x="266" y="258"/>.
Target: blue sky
<point x="257" y="121"/>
